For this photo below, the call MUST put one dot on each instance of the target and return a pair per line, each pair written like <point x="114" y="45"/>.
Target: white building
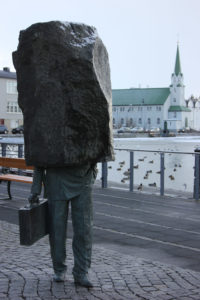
<point x="145" y="107"/>
<point x="10" y="113"/>
<point x="152" y="107"/>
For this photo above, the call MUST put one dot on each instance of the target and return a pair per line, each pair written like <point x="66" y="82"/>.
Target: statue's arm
<point x="36" y="188"/>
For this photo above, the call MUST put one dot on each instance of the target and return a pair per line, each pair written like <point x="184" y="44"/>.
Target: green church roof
<point x="178" y="108"/>
<point x="177" y="69"/>
<point x="147" y="96"/>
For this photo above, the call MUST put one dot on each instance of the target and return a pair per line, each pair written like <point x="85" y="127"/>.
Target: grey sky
<point x="140" y="35"/>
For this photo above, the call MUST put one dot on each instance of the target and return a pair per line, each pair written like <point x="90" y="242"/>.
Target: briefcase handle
<point x="33" y="200"/>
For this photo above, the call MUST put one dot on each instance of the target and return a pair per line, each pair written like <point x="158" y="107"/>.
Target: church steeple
<point x="177" y="69"/>
<point x="177" y="86"/>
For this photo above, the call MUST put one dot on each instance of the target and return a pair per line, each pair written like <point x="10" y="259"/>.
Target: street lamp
<point x="194" y="101"/>
<point x="128" y="119"/>
<point x="142" y="104"/>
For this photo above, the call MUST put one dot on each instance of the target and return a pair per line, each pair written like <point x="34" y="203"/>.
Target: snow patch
<point x="83" y="41"/>
<point x="79" y="41"/>
<point x="63" y="25"/>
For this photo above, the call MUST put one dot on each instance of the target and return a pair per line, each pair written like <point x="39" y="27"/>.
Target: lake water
<point x="179" y="168"/>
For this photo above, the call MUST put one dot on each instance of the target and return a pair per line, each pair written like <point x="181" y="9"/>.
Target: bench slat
<point x="14" y="163"/>
<point x="17" y="178"/>
<point x="18" y="163"/>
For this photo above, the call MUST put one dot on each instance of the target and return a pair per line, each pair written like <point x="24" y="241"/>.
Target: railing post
<point x="3" y="149"/>
<point x="131" y="187"/>
<point x="162" y="173"/>
<point x="20" y="150"/>
<point x="196" y="174"/>
<point x="104" y="174"/>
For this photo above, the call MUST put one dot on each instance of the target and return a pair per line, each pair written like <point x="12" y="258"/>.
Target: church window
<point x="174" y="114"/>
<point x="122" y="121"/>
<point x="131" y="121"/>
<point x="174" y="99"/>
<point x="149" y="121"/>
<point x="158" y="108"/>
<point x="149" y="108"/>
<point x="113" y="121"/>
<point x="139" y="121"/>
<point x="158" y="120"/>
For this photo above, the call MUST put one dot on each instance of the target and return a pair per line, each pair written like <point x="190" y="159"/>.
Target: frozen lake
<point x="179" y="168"/>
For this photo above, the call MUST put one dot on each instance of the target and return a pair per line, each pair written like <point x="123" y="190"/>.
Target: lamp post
<point x="194" y="101"/>
<point x="142" y="104"/>
<point x="128" y="119"/>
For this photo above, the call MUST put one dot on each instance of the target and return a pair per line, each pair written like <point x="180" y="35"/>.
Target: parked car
<point x="181" y="130"/>
<point x="155" y="129"/>
<point x="3" y="129"/>
<point x="137" y="129"/>
<point x="123" y="130"/>
<point x="19" y="129"/>
<point x="184" y="129"/>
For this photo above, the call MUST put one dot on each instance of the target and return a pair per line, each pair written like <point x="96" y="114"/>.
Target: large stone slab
<point x="64" y="87"/>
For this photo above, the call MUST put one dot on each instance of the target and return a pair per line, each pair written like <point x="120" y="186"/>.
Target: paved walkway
<point x="26" y="273"/>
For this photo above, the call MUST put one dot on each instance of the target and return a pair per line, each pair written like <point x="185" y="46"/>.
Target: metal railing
<point x="196" y="154"/>
<point x="12" y="150"/>
<point x="17" y="150"/>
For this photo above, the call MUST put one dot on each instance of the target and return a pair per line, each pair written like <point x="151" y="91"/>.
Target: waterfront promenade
<point x="145" y="247"/>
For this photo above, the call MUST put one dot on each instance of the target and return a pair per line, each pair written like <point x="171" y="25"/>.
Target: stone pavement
<point x="26" y="273"/>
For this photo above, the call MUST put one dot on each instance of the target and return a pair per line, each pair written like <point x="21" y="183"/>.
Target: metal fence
<point x="12" y="150"/>
<point x="17" y="150"/>
<point x="196" y="179"/>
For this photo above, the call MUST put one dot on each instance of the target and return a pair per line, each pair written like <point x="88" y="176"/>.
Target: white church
<point x="154" y="107"/>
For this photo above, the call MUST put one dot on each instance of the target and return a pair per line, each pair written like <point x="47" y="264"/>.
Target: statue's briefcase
<point x="33" y="222"/>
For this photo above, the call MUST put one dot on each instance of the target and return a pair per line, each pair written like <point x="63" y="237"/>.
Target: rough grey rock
<point x="64" y="88"/>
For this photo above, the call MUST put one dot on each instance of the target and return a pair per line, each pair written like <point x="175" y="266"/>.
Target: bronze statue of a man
<point x="64" y="90"/>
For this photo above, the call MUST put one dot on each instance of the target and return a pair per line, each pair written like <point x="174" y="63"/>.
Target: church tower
<point x="177" y="89"/>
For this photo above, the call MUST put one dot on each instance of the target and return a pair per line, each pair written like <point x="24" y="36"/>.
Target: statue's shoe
<point x="59" y="277"/>
<point x="82" y="280"/>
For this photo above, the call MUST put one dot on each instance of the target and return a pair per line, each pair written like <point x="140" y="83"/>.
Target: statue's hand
<point x="33" y="199"/>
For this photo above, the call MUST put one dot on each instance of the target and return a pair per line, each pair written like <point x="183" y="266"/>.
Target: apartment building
<point x="10" y="113"/>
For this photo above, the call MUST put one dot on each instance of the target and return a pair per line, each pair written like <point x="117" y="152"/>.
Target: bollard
<point x="20" y="150"/>
<point x="196" y="174"/>
<point x="131" y="187"/>
<point x="162" y="173"/>
<point x="104" y="173"/>
<point x="3" y="149"/>
<point x="3" y="153"/>
<point x="20" y="155"/>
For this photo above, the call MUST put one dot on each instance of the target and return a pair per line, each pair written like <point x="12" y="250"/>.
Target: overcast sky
<point x="140" y="35"/>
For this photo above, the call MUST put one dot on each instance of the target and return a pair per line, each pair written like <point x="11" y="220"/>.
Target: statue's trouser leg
<point x="58" y="215"/>
<point x="82" y="220"/>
